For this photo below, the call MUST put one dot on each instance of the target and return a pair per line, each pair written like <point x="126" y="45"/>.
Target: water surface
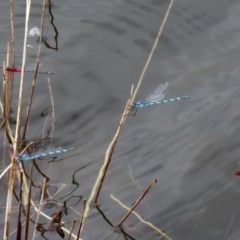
<point x="192" y="147"/>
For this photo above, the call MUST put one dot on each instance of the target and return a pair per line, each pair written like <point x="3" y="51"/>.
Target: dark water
<point x="191" y="147"/>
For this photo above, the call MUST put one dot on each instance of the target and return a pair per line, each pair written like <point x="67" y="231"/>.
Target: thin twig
<point x="21" y="87"/>
<point x="19" y="227"/>
<point x="162" y="25"/>
<point x="12" y="31"/>
<point x="136" y="203"/>
<point x="5" y="170"/>
<point x="9" y="199"/>
<point x="53" y="107"/>
<point x="81" y="221"/>
<point x="12" y="51"/>
<point x="71" y="229"/>
<point x="159" y="231"/>
<point x="29" y="202"/>
<point x="36" y="72"/>
<point x="93" y="198"/>
<point x="52" y="113"/>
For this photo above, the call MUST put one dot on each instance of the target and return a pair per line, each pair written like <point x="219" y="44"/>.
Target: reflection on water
<point x="192" y="147"/>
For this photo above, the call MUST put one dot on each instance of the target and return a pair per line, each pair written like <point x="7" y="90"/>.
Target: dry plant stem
<point x="30" y="102"/>
<point x="136" y="203"/>
<point x="152" y="51"/>
<point x="141" y="219"/>
<point x="21" y="88"/>
<point x="19" y="228"/>
<point x="41" y="28"/>
<point x="6" y="110"/>
<point x="12" y="32"/>
<point x="71" y="229"/>
<point x="27" y="147"/>
<point x="53" y="107"/>
<point x="139" y="188"/>
<point x="29" y="202"/>
<point x="36" y="71"/>
<point x="93" y="198"/>
<point x="5" y="170"/>
<point x="12" y="50"/>
<point x="53" y="114"/>
<point x="81" y="222"/>
<point x="5" y="95"/>
<point x="9" y="199"/>
<point x="108" y="156"/>
<point x="6" y="103"/>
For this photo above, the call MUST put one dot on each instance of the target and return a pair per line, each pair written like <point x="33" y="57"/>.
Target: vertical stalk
<point x="18" y="128"/>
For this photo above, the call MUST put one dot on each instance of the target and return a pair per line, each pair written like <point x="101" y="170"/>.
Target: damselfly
<point x="18" y="69"/>
<point x="42" y="155"/>
<point x="157" y="97"/>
